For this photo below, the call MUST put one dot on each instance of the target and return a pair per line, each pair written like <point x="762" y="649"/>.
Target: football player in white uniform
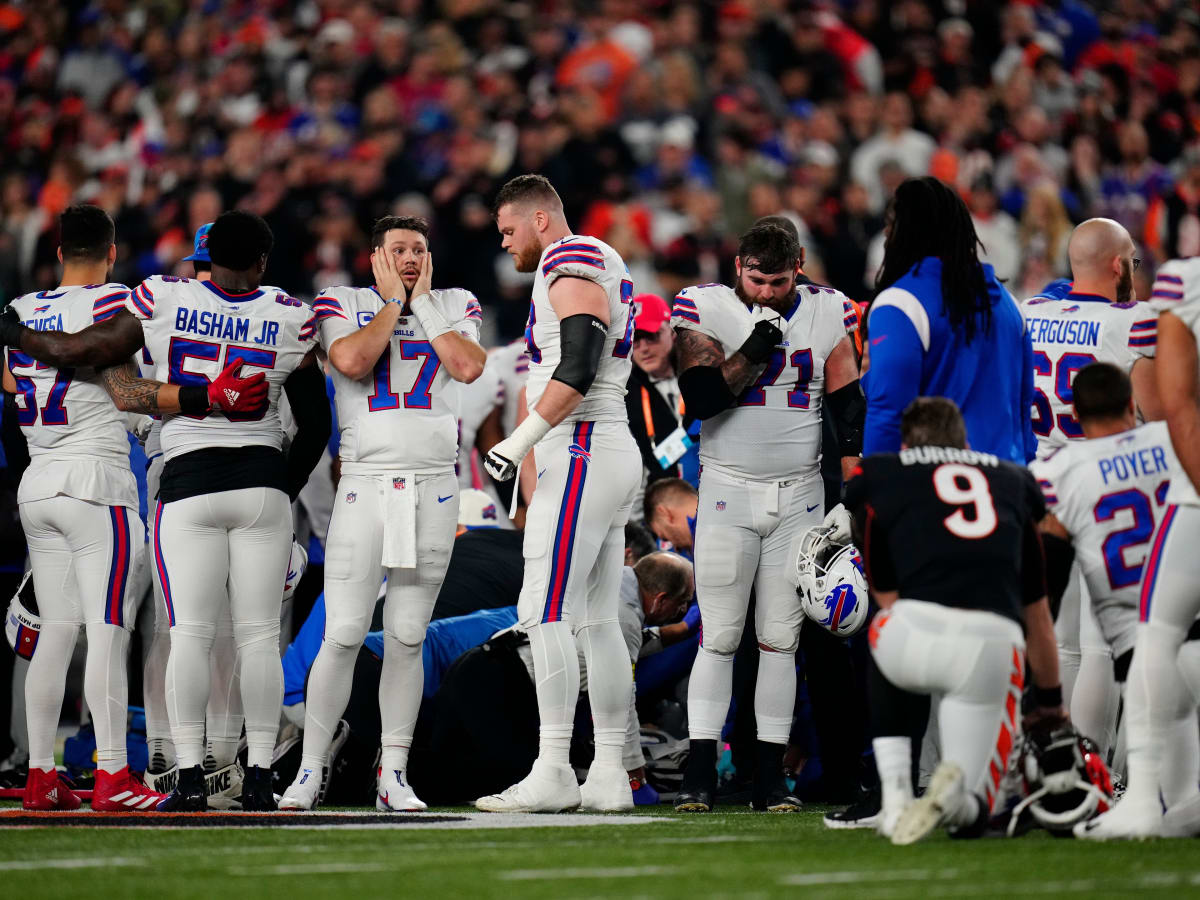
<point x="579" y="338"/>
<point x="755" y="363"/>
<point x="223" y="516"/>
<point x="1160" y="717"/>
<point x="396" y="350"/>
<point x="1099" y="319"/>
<point x="79" y="509"/>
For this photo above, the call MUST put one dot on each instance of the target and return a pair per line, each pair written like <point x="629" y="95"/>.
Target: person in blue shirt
<point x="943" y="325"/>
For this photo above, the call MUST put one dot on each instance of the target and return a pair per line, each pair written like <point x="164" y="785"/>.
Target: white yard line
<point x="92" y="862"/>
<point x="592" y="872"/>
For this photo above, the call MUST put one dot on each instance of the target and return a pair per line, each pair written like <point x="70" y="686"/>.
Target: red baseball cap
<point x="652" y="312"/>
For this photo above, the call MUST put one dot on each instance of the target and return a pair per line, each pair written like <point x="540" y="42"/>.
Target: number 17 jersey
<point x="404" y="413"/>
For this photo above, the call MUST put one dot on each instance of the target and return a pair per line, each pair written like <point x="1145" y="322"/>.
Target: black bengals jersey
<point x="950" y="526"/>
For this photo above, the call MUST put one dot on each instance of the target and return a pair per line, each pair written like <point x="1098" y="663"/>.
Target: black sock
<point x="768" y="771"/>
<point x="191" y="779"/>
<point x="701" y="771"/>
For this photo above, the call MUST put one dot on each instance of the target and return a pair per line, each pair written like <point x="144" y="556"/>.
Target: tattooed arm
<point x="132" y="393"/>
<point x="696" y="349"/>
<point x="106" y="343"/>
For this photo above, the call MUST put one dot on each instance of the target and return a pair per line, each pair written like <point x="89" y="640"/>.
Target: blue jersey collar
<point x="231" y="298"/>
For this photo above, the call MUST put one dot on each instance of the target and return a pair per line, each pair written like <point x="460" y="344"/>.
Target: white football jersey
<point x="475" y="403"/>
<point x="774" y="431"/>
<point x="512" y="367"/>
<point x="1177" y="290"/>
<point x="77" y="438"/>
<point x="194" y="330"/>
<point x="1109" y="493"/>
<point x="582" y="257"/>
<point x="1068" y="334"/>
<point x="404" y="415"/>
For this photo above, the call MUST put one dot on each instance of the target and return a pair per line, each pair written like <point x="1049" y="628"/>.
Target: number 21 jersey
<point x="949" y="526"/>
<point x="404" y="413"/>
<point x="194" y="330"/>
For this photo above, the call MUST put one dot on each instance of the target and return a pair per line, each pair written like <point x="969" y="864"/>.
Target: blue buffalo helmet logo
<point x="839" y="603"/>
<point x="489" y="512"/>
<point x="578" y="452"/>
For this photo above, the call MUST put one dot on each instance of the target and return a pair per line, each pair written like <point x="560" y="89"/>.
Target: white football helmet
<point x="830" y="582"/>
<point x="296" y="566"/>
<point x="22" y="624"/>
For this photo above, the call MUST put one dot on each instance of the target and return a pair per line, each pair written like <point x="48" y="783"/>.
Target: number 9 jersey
<point x="774" y="431"/>
<point x="948" y="526"/>
<point x="194" y="330"/>
<point x="405" y="412"/>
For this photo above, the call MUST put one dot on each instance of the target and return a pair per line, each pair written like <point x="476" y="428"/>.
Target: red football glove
<point x="231" y="393"/>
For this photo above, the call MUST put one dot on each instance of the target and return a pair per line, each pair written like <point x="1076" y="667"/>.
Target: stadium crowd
<point x="679" y="135"/>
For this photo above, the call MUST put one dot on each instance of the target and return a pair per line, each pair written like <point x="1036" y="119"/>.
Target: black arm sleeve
<point x="849" y="412"/>
<point x="705" y="391"/>
<point x="1059" y="556"/>
<point x="1033" y="566"/>
<point x="582" y="339"/>
<point x="310" y="408"/>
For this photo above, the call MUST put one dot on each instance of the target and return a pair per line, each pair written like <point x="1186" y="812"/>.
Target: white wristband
<point x="430" y="317"/>
<point x="526" y="435"/>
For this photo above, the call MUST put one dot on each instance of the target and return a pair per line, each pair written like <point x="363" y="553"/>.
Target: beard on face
<point x="1125" y="282"/>
<point x="748" y="300"/>
<point x="527" y="258"/>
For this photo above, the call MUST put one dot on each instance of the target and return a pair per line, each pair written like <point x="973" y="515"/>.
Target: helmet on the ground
<point x="297" y="563"/>
<point x="830" y="583"/>
<point x="22" y="624"/>
<point x="1065" y="778"/>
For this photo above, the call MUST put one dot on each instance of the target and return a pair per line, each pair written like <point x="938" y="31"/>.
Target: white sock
<point x="223" y="714"/>
<point x="222" y="750"/>
<point x="556" y="667"/>
<point x="609" y="685"/>
<point x="893" y="760"/>
<point x="1095" y="698"/>
<point x="1069" y="661"/>
<point x="154" y="691"/>
<point x="775" y="695"/>
<point x="187" y="690"/>
<point x="44" y="687"/>
<point x="262" y="687"/>
<point x="709" y="691"/>
<point x="400" y="686"/>
<point x="106" y="684"/>
<point x="325" y="699"/>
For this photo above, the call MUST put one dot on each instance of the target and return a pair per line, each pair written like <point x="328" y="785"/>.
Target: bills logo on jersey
<point x="578" y="452"/>
<point x="399" y="484"/>
<point x="489" y="512"/>
<point x="351" y="497"/>
<point x="40" y="309"/>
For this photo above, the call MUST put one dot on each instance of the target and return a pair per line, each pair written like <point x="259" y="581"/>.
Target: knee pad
<point x="203" y="633"/>
<point x="1189" y="667"/>
<point x="779" y="638"/>
<point x="409" y="633"/>
<point x="722" y="642"/>
<point x="247" y="634"/>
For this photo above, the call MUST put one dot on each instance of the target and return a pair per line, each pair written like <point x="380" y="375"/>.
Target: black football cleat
<point x="699" y="800"/>
<point x="770" y="793"/>
<point x="863" y="813"/>
<point x="189" y="794"/>
<point x="258" y="790"/>
<point x="779" y="800"/>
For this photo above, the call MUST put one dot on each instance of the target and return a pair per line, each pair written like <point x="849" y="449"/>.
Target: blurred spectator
<point x="897" y="141"/>
<point x="996" y="230"/>
<point x="1044" y="234"/>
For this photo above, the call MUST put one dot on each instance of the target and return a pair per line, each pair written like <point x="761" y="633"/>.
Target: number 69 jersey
<point x="405" y="413"/>
<point x="77" y="440"/>
<point x="774" y="431"/>
<point x="949" y="526"/>
<point x="1109" y="493"/>
<point x="1068" y="334"/>
<point x="194" y="330"/>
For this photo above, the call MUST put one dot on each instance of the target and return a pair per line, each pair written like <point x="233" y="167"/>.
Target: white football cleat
<point x="930" y="811"/>
<point x="547" y="788"/>
<point x="606" y="790"/>
<point x="1133" y="818"/>
<point x="224" y="786"/>
<point x="394" y="793"/>
<point x="304" y="792"/>
<point x="1182" y="819"/>
<point x="885" y="821"/>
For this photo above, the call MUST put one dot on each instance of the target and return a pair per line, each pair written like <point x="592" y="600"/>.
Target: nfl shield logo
<point x="351" y="497"/>
<point x="398" y="483"/>
<point x="720" y="506"/>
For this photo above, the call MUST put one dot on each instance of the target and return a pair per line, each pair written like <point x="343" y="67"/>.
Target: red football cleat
<point x="45" y="789"/>
<point x="123" y="791"/>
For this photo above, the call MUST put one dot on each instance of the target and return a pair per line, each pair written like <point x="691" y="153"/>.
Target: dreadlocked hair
<point x="930" y="219"/>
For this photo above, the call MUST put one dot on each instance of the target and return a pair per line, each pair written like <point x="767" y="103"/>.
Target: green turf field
<point x="726" y="855"/>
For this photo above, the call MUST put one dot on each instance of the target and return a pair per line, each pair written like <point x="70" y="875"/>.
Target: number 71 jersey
<point x="404" y="413"/>
<point x="774" y="431"/>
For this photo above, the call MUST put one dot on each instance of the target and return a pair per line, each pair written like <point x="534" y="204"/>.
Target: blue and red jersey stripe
<point x="1150" y="575"/>
<point x="118" y="571"/>
<point x="160" y="564"/>
<point x="568" y="521"/>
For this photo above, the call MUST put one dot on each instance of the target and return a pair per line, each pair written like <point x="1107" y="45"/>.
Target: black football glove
<point x="765" y="337"/>
<point x="10" y="327"/>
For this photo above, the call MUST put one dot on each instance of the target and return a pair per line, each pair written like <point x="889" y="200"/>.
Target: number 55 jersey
<point x="194" y="330"/>
<point x="949" y="526"/>
<point x="774" y="431"/>
<point x="403" y="414"/>
<point x="1110" y="494"/>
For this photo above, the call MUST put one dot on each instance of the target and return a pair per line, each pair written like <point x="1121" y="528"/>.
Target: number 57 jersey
<point x="194" y="330"/>
<point x="773" y="433"/>
<point x="1110" y="494"/>
<point x="404" y="414"/>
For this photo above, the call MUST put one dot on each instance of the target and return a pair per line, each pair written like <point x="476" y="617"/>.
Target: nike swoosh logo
<point x="877" y="340"/>
<point x="444" y="499"/>
<point x="811" y="508"/>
